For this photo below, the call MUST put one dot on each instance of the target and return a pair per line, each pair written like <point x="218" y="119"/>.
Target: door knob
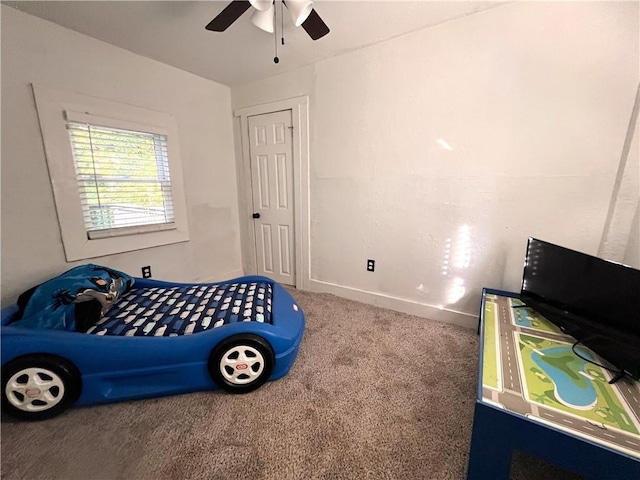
<point x="256" y="215"/>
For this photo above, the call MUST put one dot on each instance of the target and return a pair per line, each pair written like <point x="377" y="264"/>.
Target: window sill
<point x="77" y="249"/>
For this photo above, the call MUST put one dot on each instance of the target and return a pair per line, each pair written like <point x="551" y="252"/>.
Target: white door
<point x="270" y="147"/>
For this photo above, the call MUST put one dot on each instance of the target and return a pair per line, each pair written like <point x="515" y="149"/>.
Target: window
<point x="123" y="179"/>
<point x="115" y="172"/>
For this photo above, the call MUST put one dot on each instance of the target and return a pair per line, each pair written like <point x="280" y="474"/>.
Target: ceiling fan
<point x="302" y="13"/>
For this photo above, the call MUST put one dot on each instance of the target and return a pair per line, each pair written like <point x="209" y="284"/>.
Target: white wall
<point x="534" y="101"/>
<point x="632" y="255"/>
<point x="632" y="252"/>
<point x="34" y="50"/>
<point x="620" y="235"/>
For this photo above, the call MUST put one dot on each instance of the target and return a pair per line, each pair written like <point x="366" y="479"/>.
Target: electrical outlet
<point x="371" y="265"/>
<point x="146" y="272"/>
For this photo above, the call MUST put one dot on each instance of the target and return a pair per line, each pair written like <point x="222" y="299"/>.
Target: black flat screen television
<point x="594" y="300"/>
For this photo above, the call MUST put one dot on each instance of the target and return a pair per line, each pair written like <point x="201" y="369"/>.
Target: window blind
<point x="123" y="179"/>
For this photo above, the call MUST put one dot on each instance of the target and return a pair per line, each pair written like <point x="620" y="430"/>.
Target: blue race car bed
<point x="155" y="338"/>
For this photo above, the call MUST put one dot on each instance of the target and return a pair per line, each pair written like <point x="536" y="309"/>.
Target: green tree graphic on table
<point x="606" y="413"/>
<point x="542" y="398"/>
<point x="595" y="374"/>
<point x="534" y="342"/>
<point x="546" y="398"/>
<point x="540" y="374"/>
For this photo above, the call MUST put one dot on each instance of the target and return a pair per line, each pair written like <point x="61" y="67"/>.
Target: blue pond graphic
<point x="574" y="390"/>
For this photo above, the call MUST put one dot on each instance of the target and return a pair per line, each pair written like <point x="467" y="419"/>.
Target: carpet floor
<point x="374" y="394"/>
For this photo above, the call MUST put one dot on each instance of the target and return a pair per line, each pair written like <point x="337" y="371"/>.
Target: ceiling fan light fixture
<point x="300" y="10"/>
<point x="263" y="19"/>
<point x="261" y="5"/>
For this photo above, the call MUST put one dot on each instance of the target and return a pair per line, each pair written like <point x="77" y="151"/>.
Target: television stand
<point x="536" y="396"/>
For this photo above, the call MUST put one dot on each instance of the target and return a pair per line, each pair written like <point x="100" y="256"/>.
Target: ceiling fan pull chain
<point x="275" y="34"/>
<point x="282" y="20"/>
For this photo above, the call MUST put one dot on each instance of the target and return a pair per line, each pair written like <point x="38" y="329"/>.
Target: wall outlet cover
<point x="371" y="265"/>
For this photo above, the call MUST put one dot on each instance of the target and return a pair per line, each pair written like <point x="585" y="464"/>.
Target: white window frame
<point x="54" y="106"/>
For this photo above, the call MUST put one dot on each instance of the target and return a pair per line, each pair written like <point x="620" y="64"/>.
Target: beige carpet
<point x="374" y="394"/>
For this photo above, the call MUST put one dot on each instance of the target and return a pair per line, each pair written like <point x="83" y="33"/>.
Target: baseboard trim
<point x="398" y="304"/>
<point x="222" y="278"/>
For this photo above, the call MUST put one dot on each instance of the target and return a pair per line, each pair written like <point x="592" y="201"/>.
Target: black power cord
<point x="618" y="373"/>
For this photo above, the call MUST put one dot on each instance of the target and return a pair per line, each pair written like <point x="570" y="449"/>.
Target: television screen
<point x="581" y="285"/>
<point x="594" y="300"/>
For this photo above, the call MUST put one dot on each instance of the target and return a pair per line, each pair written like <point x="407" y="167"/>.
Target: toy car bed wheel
<point x="241" y="363"/>
<point x="36" y="387"/>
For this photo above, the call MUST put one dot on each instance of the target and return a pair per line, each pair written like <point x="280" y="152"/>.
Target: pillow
<point x="74" y="300"/>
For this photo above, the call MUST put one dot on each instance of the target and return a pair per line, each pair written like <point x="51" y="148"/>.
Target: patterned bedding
<point x="184" y="310"/>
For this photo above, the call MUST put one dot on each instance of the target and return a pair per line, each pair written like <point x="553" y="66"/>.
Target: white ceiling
<point x="174" y="33"/>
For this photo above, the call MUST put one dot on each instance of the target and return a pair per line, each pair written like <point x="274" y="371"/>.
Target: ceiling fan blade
<point x="226" y="17"/>
<point x="314" y="26"/>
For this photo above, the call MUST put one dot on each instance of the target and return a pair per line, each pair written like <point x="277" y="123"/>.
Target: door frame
<point x="299" y="107"/>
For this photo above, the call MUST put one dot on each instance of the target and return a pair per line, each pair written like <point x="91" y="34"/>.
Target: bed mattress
<point x="185" y="310"/>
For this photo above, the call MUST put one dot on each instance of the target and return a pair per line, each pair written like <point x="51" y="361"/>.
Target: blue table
<point x="524" y="403"/>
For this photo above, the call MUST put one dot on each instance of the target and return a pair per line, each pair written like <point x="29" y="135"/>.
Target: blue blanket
<point x="84" y="293"/>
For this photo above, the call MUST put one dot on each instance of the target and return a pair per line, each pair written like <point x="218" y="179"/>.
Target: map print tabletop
<point x="530" y="369"/>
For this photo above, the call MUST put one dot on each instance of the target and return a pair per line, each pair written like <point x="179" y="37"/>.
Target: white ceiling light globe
<point x="263" y="19"/>
<point x="300" y="10"/>
<point x="261" y="5"/>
